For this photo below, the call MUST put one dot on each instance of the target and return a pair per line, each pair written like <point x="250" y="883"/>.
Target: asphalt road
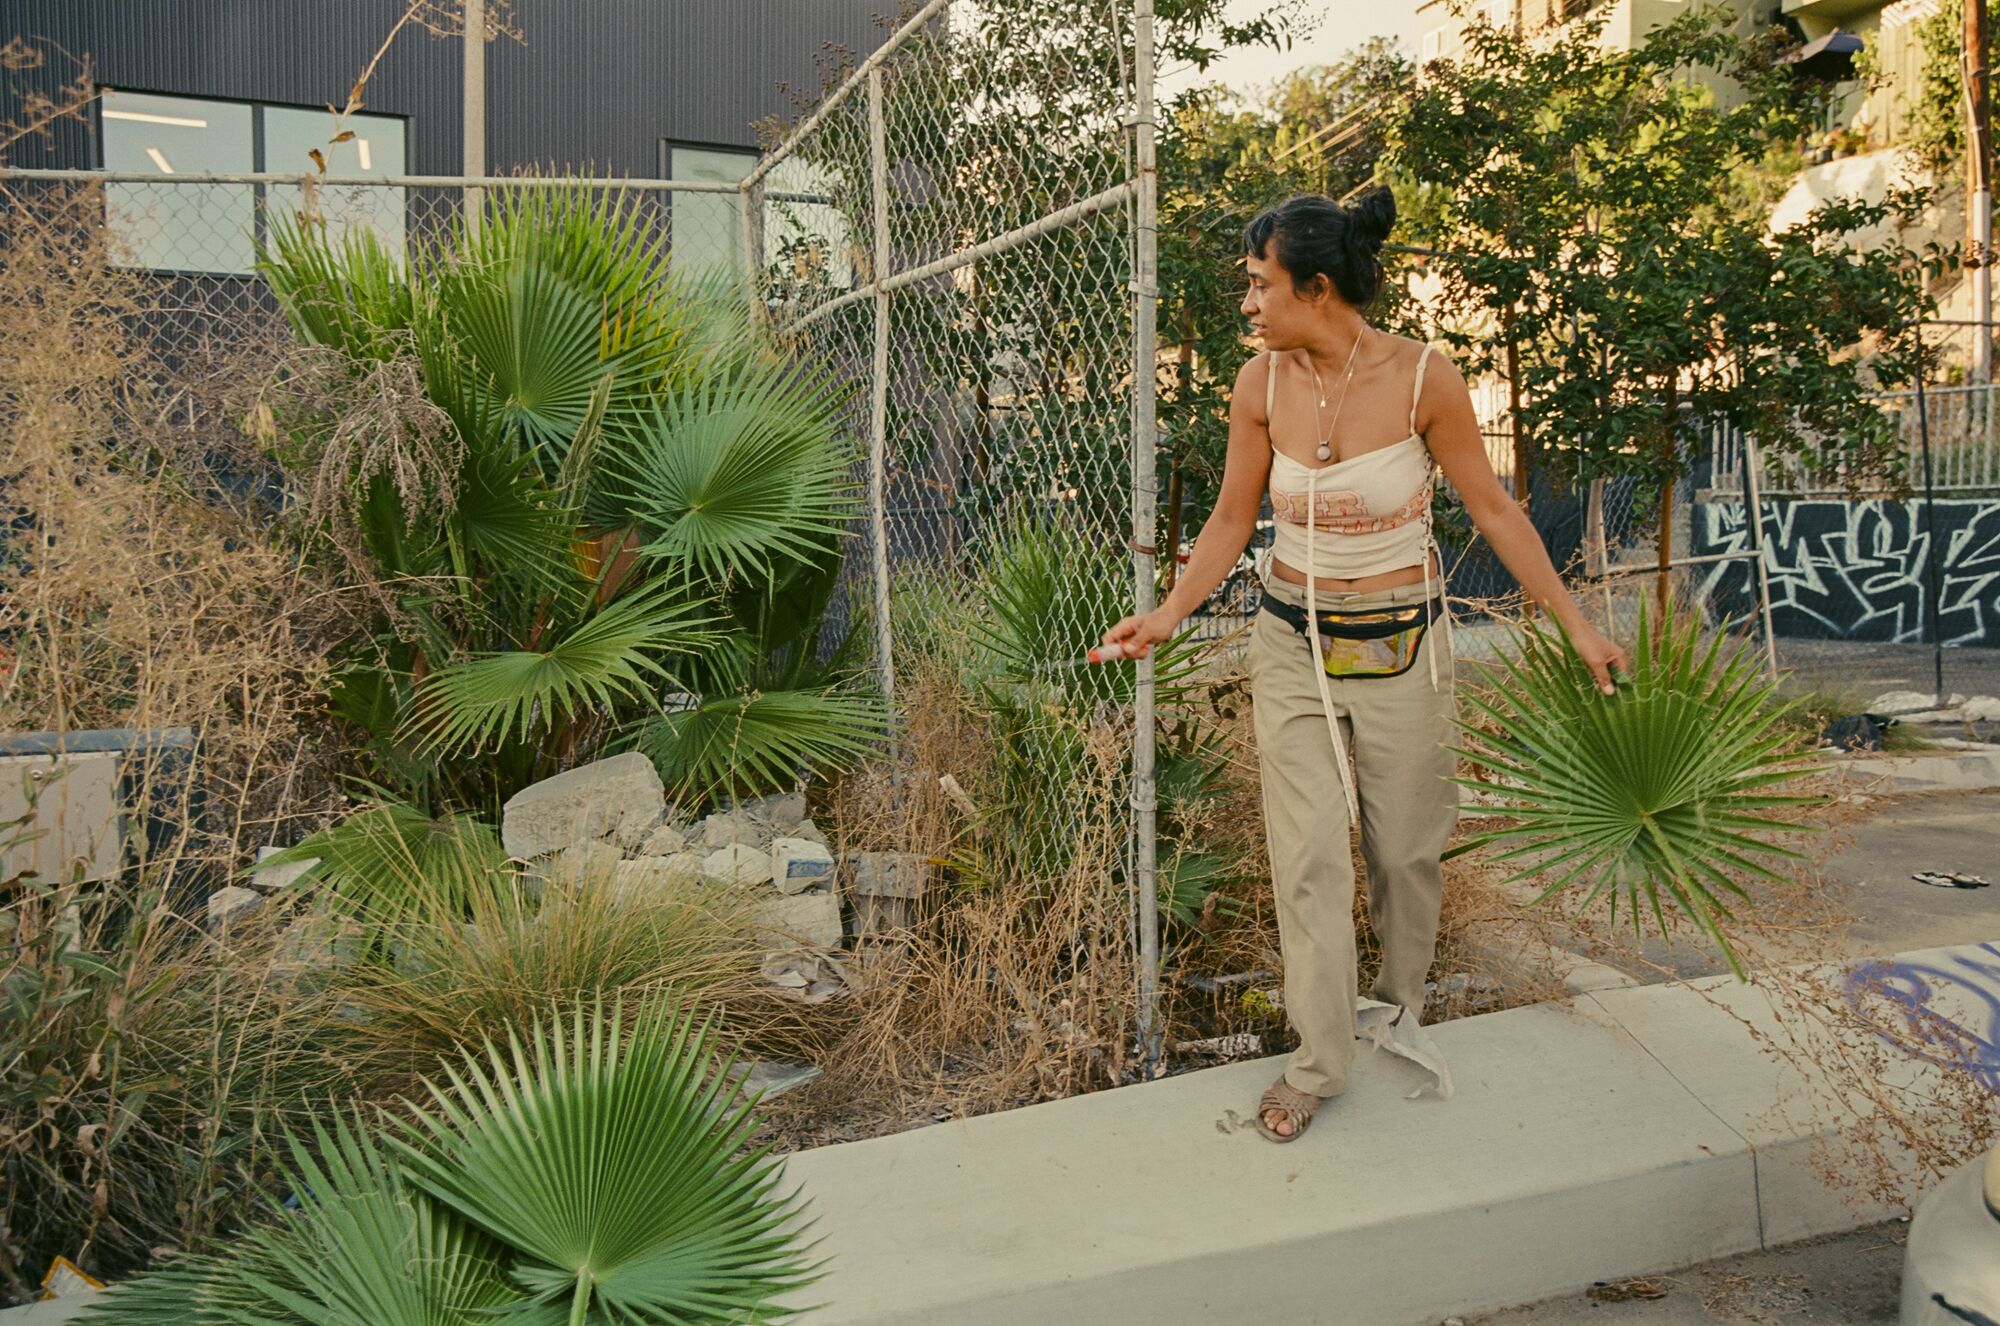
<point x="1844" y="1280"/>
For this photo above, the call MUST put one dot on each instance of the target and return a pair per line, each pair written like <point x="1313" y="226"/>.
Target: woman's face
<point x="1280" y="315"/>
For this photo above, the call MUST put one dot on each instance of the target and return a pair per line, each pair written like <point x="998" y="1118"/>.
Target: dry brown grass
<point x="145" y="585"/>
<point x="1013" y="989"/>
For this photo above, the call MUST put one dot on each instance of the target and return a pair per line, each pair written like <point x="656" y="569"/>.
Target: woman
<point x="1350" y="424"/>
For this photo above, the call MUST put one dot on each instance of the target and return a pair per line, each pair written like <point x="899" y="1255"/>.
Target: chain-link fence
<point x="968" y="248"/>
<point x="959" y="237"/>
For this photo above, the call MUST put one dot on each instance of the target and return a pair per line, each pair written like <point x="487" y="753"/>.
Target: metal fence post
<point x="1145" y="522"/>
<point x="751" y="199"/>
<point x="878" y="421"/>
<point x="473" y="200"/>
<point x="1753" y="493"/>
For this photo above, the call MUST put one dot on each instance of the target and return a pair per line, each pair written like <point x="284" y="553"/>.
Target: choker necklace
<point x="1325" y="448"/>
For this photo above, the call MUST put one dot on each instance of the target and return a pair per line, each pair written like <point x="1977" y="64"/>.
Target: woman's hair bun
<point x="1370" y="218"/>
<point x="1312" y="236"/>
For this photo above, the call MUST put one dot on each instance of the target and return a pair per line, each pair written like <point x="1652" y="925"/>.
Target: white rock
<point x="811" y="833"/>
<point x="663" y="841"/>
<point x="810" y="976"/>
<point x="272" y="878"/>
<point x="784" y="810"/>
<point x="633" y="829"/>
<point x="317" y="940"/>
<point x="798" y="864"/>
<point x="727" y="827"/>
<point x="885" y="874"/>
<point x="737" y="864"/>
<point x="593" y="802"/>
<point x="648" y="873"/>
<point x="228" y="906"/>
<point x="809" y="918"/>
<point x="580" y="863"/>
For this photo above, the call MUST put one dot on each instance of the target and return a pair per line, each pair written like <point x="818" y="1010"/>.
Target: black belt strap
<point x="1341" y="625"/>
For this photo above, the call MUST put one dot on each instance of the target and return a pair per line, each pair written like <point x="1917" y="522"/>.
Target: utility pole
<point x="474" y="163"/>
<point x="1979" y="185"/>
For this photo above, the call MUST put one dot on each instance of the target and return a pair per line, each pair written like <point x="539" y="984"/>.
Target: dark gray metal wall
<point x="595" y="84"/>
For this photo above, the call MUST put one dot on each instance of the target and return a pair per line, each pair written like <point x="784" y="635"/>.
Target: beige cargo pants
<point x="1398" y="730"/>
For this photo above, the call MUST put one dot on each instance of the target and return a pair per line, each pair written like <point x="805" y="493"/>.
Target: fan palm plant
<point x="1669" y="791"/>
<point x="641" y="490"/>
<point x="588" y="1174"/>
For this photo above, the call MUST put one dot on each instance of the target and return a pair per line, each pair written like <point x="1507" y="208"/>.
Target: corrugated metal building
<point x="605" y="86"/>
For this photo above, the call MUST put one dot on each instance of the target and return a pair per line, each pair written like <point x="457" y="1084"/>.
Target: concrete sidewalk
<point x="1623" y="1133"/>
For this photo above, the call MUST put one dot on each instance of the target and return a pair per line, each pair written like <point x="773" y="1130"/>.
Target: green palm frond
<point x="1187" y="880"/>
<point x="364" y="1247"/>
<point x="521" y="348"/>
<point x="189" y="1291"/>
<point x="392" y="858"/>
<point x="510" y="519"/>
<point x="354" y="297"/>
<point x="1049" y="592"/>
<point x="360" y="1247"/>
<point x="608" y="1166"/>
<point x="736" y="473"/>
<point x="762" y="741"/>
<point x="1668" y="789"/>
<point x="611" y="659"/>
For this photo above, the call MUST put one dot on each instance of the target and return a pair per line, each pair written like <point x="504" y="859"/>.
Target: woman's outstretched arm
<point x="1451" y="431"/>
<point x="1227" y="531"/>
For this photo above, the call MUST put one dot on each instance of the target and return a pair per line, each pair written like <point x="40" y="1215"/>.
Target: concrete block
<point x="784" y="811"/>
<point x="885" y="874"/>
<point x="49" y="1313"/>
<point x="70" y="802"/>
<point x="737" y="864"/>
<point x="1973" y="769"/>
<point x="798" y="864"/>
<point x="273" y="878"/>
<point x="666" y="840"/>
<point x="726" y="828"/>
<point x="809" y="918"/>
<point x="811" y="832"/>
<point x="647" y="874"/>
<point x="584" y="804"/>
<point x="1784" y="1108"/>
<point x="232" y="906"/>
<point x="1568" y="1155"/>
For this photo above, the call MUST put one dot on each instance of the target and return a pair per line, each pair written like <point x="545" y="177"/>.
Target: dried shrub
<point x="146" y="583"/>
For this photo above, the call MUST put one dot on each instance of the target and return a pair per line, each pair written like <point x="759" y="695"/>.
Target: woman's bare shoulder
<point x="1250" y="379"/>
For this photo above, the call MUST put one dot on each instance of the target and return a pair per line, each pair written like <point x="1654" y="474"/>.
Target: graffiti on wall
<point x="1859" y="570"/>
<point x="1973" y="973"/>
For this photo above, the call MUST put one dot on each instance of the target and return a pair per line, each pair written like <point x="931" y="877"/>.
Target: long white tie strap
<point x="1345" y="775"/>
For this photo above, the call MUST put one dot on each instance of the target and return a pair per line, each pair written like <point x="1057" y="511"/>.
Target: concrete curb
<point x="1626" y="1132"/>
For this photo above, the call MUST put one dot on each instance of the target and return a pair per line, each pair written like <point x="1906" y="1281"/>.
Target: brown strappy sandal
<point x="1298" y="1107"/>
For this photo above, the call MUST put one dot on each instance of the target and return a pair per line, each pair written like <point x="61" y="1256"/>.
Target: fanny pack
<point x="1378" y="642"/>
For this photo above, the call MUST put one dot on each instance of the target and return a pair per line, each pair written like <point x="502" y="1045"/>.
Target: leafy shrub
<point x="577" y="1174"/>
<point x="1670" y="789"/>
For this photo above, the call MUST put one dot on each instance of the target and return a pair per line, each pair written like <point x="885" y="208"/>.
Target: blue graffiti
<point x="1914" y="986"/>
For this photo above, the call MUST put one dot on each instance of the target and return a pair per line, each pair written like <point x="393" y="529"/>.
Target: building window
<point x="209" y="227"/>
<point x="706" y="229"/>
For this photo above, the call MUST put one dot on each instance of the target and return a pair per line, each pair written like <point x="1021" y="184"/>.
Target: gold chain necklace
<point x="1324" y="451"/>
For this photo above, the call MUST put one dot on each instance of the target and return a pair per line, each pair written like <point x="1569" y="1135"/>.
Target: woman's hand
<point x="1140" y="633"/>
<point x="1598" y="654"/>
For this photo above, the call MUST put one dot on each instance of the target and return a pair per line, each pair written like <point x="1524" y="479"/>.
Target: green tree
<point x="1582" y="200"/>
